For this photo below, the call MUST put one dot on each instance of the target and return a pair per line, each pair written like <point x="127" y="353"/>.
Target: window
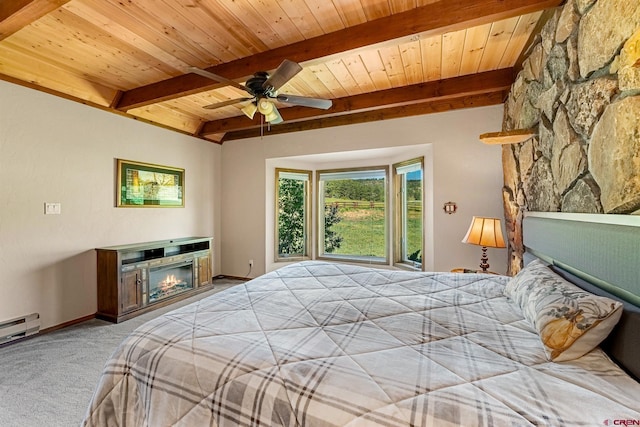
<point x="352" y="214"/>
<point x="408" y="188"/>
<point x="293" y="196"/>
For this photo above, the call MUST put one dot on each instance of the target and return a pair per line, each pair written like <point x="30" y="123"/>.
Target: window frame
<point x="308" y="189"/>
<point x="398" y="215"/>
<point x="319" y="243"/>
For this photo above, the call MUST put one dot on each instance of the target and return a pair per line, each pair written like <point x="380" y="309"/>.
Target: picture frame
<point x="148" y="185"/>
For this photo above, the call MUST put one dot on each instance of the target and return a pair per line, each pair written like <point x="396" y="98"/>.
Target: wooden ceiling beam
<point x="487" y="82"/>
<point x="437" y="18"/>
<point x="429" y="107"/>
<point x="17" y="14"/>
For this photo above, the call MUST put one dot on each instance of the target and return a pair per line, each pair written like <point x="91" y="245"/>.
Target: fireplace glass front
<point x="169" y="280"/>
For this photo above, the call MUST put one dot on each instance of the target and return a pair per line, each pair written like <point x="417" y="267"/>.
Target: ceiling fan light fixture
<point x="249" y="110"/>
<point x="265" y="106"/>
<point x="274" y="118"/>
<point x="269" y="110"/>
<point x="270" y="117"/>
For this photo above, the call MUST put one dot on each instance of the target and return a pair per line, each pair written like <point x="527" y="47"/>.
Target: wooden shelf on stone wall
<point x="507" y="137"/>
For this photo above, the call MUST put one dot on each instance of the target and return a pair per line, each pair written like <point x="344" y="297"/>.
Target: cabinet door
<point x="131" y="292"/>
<point x="204" y="270"/>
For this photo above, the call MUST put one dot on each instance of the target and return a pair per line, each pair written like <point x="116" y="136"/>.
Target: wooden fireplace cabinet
<point x="124" y="272"/>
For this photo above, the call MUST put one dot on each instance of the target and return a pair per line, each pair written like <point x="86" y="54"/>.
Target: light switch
<point x="52" y="208"/>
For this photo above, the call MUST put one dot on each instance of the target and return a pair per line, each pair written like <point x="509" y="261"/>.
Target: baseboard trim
<point x="68" y="323"/>
<point x="224" y="276"/>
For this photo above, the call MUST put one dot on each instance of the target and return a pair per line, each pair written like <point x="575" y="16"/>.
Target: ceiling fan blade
<point x="283" y="74"/>
<point x="218" y="78"/>
<point x="225" y="103"/>
<point x="304" y="101"/>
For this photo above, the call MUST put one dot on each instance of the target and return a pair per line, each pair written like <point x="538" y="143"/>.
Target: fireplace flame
<point x="169" y="282"/>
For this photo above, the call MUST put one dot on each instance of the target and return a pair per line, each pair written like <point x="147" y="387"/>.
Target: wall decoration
<point x="148" y="185"/>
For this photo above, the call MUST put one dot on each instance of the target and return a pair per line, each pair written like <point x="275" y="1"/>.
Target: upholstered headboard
<point x="601" y="254"/>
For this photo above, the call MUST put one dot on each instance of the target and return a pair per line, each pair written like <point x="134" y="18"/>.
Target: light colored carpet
<point x="48" y="380"/>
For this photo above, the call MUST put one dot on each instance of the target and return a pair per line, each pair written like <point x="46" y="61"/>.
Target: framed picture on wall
<point x="148" y="185"/>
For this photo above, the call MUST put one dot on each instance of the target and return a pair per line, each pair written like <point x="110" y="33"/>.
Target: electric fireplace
<point x="168" y="280"/>
<point x="136" y="278"/>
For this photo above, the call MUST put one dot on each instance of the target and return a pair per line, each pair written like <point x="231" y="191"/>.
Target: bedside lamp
<point x="485" y="232"/>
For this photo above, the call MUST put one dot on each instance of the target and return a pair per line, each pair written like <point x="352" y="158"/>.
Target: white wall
<point x="464" y="171"/>
<point x="54" y="150"/>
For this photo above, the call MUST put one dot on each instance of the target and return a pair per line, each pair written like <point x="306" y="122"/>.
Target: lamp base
<point x="484" y="261"/>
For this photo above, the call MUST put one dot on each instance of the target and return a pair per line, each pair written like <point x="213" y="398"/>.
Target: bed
<point x="326" y="344"/>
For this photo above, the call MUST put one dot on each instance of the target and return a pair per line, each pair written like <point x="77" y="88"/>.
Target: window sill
<point x="292" y="259"/>
<point x="409" y="267"/>
<point x="355" y="259"/>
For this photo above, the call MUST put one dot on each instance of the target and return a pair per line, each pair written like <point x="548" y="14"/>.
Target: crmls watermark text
<point x="622" y="422"/>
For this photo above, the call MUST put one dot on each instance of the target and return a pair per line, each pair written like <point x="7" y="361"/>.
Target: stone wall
<point x="580" y="89"/>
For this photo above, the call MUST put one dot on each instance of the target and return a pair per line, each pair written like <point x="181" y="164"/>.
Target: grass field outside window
<point x="358" y="199"/>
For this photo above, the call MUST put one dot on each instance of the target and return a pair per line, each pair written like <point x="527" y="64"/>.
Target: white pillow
<point x="570" y="321"/>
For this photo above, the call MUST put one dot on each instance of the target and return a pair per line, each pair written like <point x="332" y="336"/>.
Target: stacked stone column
<point x="579" y="87"/>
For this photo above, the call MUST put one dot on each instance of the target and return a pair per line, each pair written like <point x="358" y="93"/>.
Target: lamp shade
<point x="250" y="110"/>
<point x="485" y="232"/>
<point x="265" y="107"/>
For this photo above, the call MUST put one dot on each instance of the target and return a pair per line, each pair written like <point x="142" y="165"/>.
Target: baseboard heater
<point x="19" y="327"/>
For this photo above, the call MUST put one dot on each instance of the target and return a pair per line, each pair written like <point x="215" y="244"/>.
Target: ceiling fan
<point x="263" y="87"/>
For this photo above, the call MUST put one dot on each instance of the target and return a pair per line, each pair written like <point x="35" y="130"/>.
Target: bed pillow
<point x="570" y="321"/>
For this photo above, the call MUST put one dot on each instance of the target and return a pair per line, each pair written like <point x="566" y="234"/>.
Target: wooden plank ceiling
<point x="375" y="59"/>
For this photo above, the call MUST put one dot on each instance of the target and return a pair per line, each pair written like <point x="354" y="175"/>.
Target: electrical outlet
<point x="250" y="263"/>
<point x="52" y="208"/>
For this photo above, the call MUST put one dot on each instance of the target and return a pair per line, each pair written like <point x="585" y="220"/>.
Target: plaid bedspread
<point x="322" y="344"/>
